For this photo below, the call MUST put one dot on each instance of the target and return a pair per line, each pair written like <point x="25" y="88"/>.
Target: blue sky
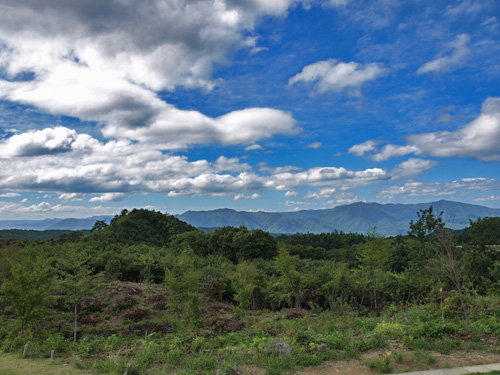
<point x="248" y="104"/>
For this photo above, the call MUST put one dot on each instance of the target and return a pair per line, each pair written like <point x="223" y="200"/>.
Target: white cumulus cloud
<point x="362" y="148"/>
<point x="99" y="61"/>
<point x="109" y="197"/>
<point x="479" y="139"/>
<point x="9" y="195"/>
<point x="315" y="145"/>
<point x="242" y="196"/>
<point x="331" y="75"/>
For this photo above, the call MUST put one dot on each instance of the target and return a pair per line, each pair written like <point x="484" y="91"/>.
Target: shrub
<point x="436" y="328"/>
<point x="392" y="331"/>
<point x="54" y="341"/>
<point x="366" y="343"/>
<point x="113" y="342"/>
<point x="489" y="325"/>
<point x="88" y="346"/>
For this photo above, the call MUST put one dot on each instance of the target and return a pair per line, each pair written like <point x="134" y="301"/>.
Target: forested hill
<point x="390" y="219"/>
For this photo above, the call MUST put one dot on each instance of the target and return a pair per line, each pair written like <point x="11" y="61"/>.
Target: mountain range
<point x="389" y="219"/>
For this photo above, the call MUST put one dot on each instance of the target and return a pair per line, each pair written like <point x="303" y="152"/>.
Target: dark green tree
<point x="76" y="278"/>
<point x="29" y="288"/>
<point x="255" y="244"/>
<point x="183" y="281"/>
<point x="290" y="286"/>
<point x="99" y="225"/>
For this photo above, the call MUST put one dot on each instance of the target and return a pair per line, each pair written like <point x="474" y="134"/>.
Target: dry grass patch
<point x="11" y="365"/>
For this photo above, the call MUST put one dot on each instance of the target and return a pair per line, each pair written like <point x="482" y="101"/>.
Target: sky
<point x="281" y="105"/>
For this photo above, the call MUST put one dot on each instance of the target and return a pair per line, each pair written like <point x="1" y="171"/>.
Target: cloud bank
<point x="100" y="61"/>
<point x="74" y="164"/>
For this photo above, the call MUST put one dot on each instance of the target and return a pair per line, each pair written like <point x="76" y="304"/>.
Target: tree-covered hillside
<point x="153" y="291"/>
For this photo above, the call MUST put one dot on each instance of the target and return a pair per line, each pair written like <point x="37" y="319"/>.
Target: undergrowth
<point x="218" y="342"/>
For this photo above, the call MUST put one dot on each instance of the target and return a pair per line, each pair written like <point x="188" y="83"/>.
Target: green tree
<point x="482" y="241"/>
<point x="183" y="280"/>
<point x="222" y="242"/>
<point x="290" y="286"/>
<point x="451" y="260"/>
<point x="76" y="278"/>
<point x="216" y="272"/>
<point x="374" y="262"/>
<point x="244" y="283"/>
<point x="197" y="240"/>
<point x="255" y="244"/>
<point x="339" y="283"/>
<point x="99" y="225"/>
<point x="29" y="288"/>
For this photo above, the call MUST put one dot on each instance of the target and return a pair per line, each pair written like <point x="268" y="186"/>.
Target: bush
<point x="436" y="329"/>
<point x="366" y="343"/>
<point x="489" y="325"/>
<point x="16" y="340"/>
<point x="113" y="342"/>
<point x="392" y="331"/>
<point x="56" y="342"/>
<point x="88" y="346"/>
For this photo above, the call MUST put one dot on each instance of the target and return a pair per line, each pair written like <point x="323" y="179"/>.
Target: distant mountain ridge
<point x="53" y="224"/>
<point x="390" y="219"/>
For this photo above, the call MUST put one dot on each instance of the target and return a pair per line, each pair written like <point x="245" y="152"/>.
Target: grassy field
<point x="13" y="365"/>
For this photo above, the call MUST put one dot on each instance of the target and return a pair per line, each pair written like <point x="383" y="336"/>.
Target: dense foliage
<point x="67" y="289"/>
<point x="32" y="235"/>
